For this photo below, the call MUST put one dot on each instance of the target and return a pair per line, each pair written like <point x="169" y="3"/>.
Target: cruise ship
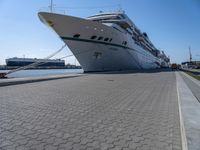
<point x="107" y="41"/>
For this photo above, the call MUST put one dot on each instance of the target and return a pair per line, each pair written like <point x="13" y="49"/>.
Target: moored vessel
<point x="106" y="41"/>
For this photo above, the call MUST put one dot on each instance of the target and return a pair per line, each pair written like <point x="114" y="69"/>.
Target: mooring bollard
<point x="3" y="75"/>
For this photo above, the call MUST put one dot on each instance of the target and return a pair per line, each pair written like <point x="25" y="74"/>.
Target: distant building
<point x="191" y="64"/>
<point x="13" y="62"/>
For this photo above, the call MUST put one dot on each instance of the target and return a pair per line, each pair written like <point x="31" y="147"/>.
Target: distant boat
<point x="27" y="61"/>
<point x="106" y="41"/>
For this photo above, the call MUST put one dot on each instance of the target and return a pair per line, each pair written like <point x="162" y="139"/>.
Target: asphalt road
<point x="136" y="111"/>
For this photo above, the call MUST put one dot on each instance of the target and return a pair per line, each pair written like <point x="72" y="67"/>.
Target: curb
<point x="32" y="80"/>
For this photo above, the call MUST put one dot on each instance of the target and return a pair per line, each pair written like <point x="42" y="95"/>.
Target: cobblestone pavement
<point x="136" y="111"/>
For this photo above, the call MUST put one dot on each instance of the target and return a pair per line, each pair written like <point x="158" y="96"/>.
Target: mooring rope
<point x="37" y="63"/>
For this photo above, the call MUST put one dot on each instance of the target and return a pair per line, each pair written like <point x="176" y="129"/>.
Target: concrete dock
<point x="120" y="111"/>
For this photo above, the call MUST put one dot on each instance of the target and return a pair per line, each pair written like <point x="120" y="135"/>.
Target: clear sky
<point x="172" y="25"/>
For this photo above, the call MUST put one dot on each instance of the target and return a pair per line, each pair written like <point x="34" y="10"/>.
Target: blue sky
<point x="172" y="25"/>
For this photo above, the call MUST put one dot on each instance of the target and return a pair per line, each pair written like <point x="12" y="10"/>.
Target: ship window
<point x="76" y="35"/>
<point x="106" y="39"/>
<point x="117" y="29"/>
<point x="93" y="37"/>
<point x="124" y="43"/>
<point x="110" y="40"/>
<point x="100" y="38"/>
<point x="133" y="38"/>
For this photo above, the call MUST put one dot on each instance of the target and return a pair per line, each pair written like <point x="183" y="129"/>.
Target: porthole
<point x="100" y="38"/>
<point x="124" y="43"/>
<point x="93" y="37"/>
<point x="76" y="35"/>
<point x="106" y="39"/>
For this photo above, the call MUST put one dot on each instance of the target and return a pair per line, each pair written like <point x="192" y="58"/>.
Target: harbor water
<point x="41" y="72"/>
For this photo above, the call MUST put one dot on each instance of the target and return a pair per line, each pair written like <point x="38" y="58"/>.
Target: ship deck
<point x="135" y="110"/>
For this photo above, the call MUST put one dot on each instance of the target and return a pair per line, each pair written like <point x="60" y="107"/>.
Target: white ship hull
<point x="96" y="55"/>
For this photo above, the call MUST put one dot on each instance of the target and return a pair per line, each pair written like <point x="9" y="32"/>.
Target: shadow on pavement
<point x="134" y="71"/>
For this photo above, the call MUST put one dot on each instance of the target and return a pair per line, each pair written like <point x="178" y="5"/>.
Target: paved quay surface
<point x="136" y="111"/>
<point x="15" y="81"/>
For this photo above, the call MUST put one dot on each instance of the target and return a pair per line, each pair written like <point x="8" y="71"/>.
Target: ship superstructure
<point x="105" y="41"/>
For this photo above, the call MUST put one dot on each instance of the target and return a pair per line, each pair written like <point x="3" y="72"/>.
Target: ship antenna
<point x="51" y="6"/>
<point x="120" y="8"/>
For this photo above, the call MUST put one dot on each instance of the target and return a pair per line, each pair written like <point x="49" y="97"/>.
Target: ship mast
<point x="190" y="54"/>
<point x="51" y="6"/>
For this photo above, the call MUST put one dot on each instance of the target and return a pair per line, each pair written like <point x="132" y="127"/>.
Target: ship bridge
<point x="113" y="19"/>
